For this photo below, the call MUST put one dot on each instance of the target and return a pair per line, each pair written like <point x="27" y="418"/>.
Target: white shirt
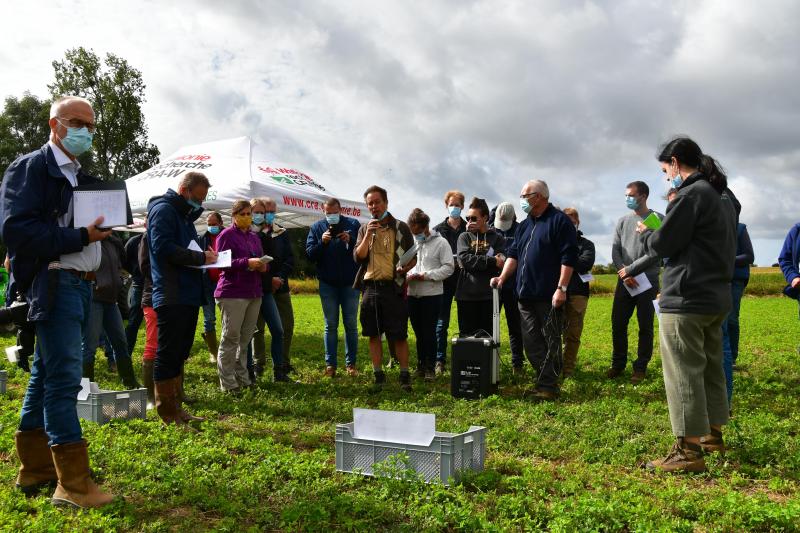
<point x="88" y="259"/>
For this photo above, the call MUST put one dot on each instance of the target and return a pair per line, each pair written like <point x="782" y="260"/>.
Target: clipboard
<point x="89" y="210"/>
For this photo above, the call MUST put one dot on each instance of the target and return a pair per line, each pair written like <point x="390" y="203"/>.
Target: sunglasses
<point x="472" y="219"/>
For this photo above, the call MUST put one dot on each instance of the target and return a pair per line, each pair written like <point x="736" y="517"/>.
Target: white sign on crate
<point x="394" y="426"/>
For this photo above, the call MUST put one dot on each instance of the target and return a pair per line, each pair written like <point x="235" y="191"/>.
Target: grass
<point x="265" y="461"/>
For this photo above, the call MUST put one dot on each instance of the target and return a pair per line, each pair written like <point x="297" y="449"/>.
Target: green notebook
<point x="652" y="221"/>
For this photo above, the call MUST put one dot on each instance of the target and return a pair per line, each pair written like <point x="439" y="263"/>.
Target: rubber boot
<point x="185" y="415"/>
<point x="126" y="373"/>
<point x="213" y="346"/>
<point x="166" y="395"/>
<point x="147" y="377"/>
<point x="36" y="470"/>
<point x="75" y="485"/>
<point x="88" y="370"/>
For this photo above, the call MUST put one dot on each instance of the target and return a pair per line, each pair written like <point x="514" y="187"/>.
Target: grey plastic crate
<point x="3" y="380"/>
<point x="103" y="406"/>
<point x="447" y="456"/>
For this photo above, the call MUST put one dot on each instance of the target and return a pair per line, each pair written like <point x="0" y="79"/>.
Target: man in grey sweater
<point x="630" y="260"/>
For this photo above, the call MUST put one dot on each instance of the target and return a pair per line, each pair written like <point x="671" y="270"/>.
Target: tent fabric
<point x="240" y="169"/>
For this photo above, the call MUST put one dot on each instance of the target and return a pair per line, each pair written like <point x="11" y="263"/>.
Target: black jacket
<point x="109" y="281"/>
<point x="477" y="257"/>
<point x="275" y="244"/>
<point x="131" y="264"/>
<point x="698" y="235"/>
<point x="584" y="265"/>
<point x="445" y="230"/>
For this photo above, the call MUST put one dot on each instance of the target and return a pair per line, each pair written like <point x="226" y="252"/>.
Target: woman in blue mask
<point x="698" y="235"/>
<point x="210" y="279"/>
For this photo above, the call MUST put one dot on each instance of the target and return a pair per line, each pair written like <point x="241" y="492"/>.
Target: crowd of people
<point x="383" y="274"/>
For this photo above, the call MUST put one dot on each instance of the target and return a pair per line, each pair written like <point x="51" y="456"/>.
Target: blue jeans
<point x="444" y="323"/>
<point x="57" y="363"/>
<point x="104" y="317"/>
<point x="269" y="310"/>
<point x="210" y="309"/>
<point x="730" y="335"/>
<point x="135" y="317"/>
<point x="333" y="298"/>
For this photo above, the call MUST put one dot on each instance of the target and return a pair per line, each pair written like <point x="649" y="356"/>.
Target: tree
<point x="23" y="127"/>
<point x="120" y="148"/>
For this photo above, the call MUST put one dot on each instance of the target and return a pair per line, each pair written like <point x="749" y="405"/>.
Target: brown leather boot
<point x="213" y="346"/>
<point x="36" y="470"/>
<point x="147" y="378"/>
<point x="166" y="395"/>
<point x="713" y="442"/>
<point x="683" y="457"/>
<point x="75" y="485"/>
<point x="185" y="415"/>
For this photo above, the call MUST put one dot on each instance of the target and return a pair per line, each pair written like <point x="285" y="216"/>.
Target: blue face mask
<point x="631" y="202"/>
<point x="269" y="218"/>
<point x="194" y="203"/>
<point x="332" y="219"/>
<point x="258" y="218"/>
<point x="384" y="215"/>
<point x="420" y="237"/>
<point x="676" y="181"/>
<point x="77" y="140"/>
<point x="454" y="211"/>
<point x="524" y="205"/>
<point x="214" y="230"/>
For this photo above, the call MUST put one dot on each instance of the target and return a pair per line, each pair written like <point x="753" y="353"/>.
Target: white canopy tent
<point x="239" y="169"/>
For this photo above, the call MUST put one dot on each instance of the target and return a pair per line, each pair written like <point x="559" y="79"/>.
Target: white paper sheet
<point x="586" y="278"/>
<point x="111" y="205"/>
<point x="394" y="426"/>
<point x="194" y="246"/>
<point x="643" y="282"/>
<point x="656" y="307"/>
<point x="223" y="261"/>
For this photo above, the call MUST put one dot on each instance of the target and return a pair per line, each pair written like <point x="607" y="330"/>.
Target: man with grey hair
<point x="53" y="265"/>
<point x="542" y="257"/>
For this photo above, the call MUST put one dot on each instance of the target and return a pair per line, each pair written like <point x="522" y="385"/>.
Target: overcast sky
<point x="481" y="96"/>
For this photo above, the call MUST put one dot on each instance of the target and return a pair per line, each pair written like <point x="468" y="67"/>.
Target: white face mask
<point x="503" y="225"/>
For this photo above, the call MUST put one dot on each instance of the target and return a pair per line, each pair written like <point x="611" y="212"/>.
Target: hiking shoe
<point x="637" y="377"/>
<point x="612" y="372"/>
<point x="713" y="442"/>
<point x="380" y="380"/>
<point x="405" y="380"/>
<point x="683" y="457"/>
<point x="430" y="375"/>
<point x="330" y="371"/>
<point x="541" y="395"/>
<point x="352" y="371"/>
<point x="439" y="369"/>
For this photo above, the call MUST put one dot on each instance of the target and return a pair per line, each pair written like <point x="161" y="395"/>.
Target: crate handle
<point x="123" y="395"/>
<point x="467" y="440"/>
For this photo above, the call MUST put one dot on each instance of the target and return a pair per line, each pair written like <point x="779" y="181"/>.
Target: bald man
<point x="53" y="264"/>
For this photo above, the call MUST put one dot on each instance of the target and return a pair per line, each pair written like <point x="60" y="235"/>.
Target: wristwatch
<point x="562" y="288"/>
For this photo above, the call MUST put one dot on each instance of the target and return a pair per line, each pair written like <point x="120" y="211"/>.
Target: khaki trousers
<point x="239" y="316"/>
<point x="574" y="313"/>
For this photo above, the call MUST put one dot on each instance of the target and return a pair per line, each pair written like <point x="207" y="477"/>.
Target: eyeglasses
<point x="472" y="219"/>
<point x="529" y="195"/>
<point x="76" y="123"/>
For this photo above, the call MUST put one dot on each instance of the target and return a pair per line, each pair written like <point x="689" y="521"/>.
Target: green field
<point x="265" y="461"/>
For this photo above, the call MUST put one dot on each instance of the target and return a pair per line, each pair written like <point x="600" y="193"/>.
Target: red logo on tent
<point x="291" y="177"/>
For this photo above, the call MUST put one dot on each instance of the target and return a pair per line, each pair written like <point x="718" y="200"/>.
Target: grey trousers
<point x="239" y="316"/>
<point x="691" y="354"/>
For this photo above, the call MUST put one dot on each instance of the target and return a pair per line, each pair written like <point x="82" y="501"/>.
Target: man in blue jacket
<point x="177" y="288"/>
<point x="789" y="261"/>
<point x="53" y="264"/>
<point x="330" y="245"/>
<point x="543" y="257"/>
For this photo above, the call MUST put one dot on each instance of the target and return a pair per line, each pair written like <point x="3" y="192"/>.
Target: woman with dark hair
<point x="698" y="236"/>
<point x="480" y="256"/>
<point x="238" y="295"/>
<point x="434" y="265"/>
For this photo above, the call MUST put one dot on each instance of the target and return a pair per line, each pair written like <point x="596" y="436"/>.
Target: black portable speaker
<point x="475" y="361"/>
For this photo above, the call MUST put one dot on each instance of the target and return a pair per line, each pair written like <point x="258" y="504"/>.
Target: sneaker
<point x="405" y="381"/>
<point x="637" y="377"/>
<point x="430" y="375"/>
<point x="540" y="395"/>
<point x="352" y="371"/>
<point x="612" y="372"/>
<point x="713" y="442"/>
<point x="439" y="370"/>
<point x="683" y="457"/>
<point x="330" y="371"/>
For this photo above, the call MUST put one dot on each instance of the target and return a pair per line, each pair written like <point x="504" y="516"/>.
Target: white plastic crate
<point x="103" y="406"/>
<point x="3" y="380"/>
<point x="448" y="454"/>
